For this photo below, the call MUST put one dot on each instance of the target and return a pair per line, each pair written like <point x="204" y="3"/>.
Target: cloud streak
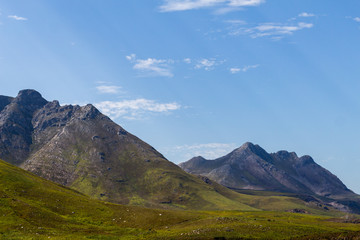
<point x="356" y="19"/>
<point x="243" y="69"/>
<point x="183" y="5"/>
<point x="208" y="64"/>
<point x="152" y="66"/>
<point x="135" y="109"/>
<point x="272" y="30"/>
<point x="108" y="89"/>
<point x="305" y="14"/>
<point x="17" y="18"/>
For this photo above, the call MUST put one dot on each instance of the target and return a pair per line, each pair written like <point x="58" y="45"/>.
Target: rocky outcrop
<point x="16" y="125"/>
<point x="4" y="101"/>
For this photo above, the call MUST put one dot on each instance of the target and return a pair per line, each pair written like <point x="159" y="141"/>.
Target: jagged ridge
<point x="251" y="167"/>
<point x="83" y="149"/>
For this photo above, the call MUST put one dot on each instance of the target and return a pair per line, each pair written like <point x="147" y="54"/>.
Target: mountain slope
<point x="251" y="167"/>
<point x="81" y="148"/>
<point x="34" y="208"/>
<point x="15" y="125"/>
<point x="37" y="208"/>
<point x="251" y="170"/>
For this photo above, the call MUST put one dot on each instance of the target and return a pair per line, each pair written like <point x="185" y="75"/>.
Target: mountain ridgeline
<point x="251" y="167"/>
<point x="81" y="148"/>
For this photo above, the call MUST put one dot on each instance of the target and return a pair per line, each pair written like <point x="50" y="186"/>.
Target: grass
<point x="34" y="208"/>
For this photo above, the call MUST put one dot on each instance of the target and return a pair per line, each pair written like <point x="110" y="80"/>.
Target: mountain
<point x="15" y="124"/>
<point x="251" y="167"/>
<point x="81" y="148"/>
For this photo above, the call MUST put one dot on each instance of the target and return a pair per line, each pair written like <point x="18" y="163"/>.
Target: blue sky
<point x="199" y="77"/>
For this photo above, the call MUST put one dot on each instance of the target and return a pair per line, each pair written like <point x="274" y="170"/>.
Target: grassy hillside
<point x="34" y="208"/>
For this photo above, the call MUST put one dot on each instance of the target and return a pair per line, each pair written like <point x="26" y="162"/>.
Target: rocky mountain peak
<point x="306" y="160"/>
<point x="194" y="162"/>
<point x="249" y="148"/>
<point x="90" y="111"/>
<point x="16" y="125"/>
<point x="247" y="145"/>
<point x="4" y="101"/>
<point x="285" y="155"/>
<point x="251" y="167"/>
<point x="198" y="159"/>
<point x="29" y="97"/>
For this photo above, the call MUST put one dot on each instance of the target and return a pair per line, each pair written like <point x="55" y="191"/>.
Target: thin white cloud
<point x="207" y="150"/>
<point x="108" y="89"/>
<point x="356" y="19"/>
<point x="236" y="22"/>
<point x="187" y="60"/>
<point x="135" y="109"/>
<point x="206" y="64"/>
<point x="183" y="5"/>
<point x="305" y="14"/>
<point x="273" y="30"/>
<point x="17" y="18"/>
<point x="152" y="66"/>
<point x="131" y="57"/>
<point x="243" y="69"/>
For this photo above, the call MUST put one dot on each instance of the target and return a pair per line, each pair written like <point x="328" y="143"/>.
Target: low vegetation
<point x="34" y="208"/>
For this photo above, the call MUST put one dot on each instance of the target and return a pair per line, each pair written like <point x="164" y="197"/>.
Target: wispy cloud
<point x="17" y="18"/>
<point x="236" y="22"/>
<point x="243" y="69"/>
<point x="227" y="5"/>
<point x="135" y="109"/>
<point x="305" y="14"/>
<point x="273" y="30"/>
<point x="187" y="60"/>
<point x="108" y="89"/>
<point x="208" y="64"/>
<point x="152" y="66"/>
<point x="356" y="19"/>
<point x="207" y="150"/>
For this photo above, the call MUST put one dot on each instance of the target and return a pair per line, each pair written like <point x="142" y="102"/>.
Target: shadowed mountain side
<point x="251" y="167"/>
<point x="4" y="101"/>
<point x="83" y="149"/>
<point x="15" y="125"/>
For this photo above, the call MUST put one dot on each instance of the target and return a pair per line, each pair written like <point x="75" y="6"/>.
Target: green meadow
<point x="34" y="208"/>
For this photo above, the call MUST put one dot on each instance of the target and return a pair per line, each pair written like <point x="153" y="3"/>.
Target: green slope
<point x="91" y="154"/>
<point x="34" y="208"/>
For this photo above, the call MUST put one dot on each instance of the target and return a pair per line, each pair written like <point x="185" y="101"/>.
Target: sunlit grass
<point x="34" y="208"/>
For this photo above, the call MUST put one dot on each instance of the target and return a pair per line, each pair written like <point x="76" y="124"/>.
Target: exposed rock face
<point x="4" y="101"/>
<point x="251" y="167"/>
<point x="83" y="149"/>
<point x="15" y="125"/>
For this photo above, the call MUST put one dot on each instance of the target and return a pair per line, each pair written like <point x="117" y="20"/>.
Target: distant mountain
<point x="81" y="148"/>
<point x="251" y="167"/>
